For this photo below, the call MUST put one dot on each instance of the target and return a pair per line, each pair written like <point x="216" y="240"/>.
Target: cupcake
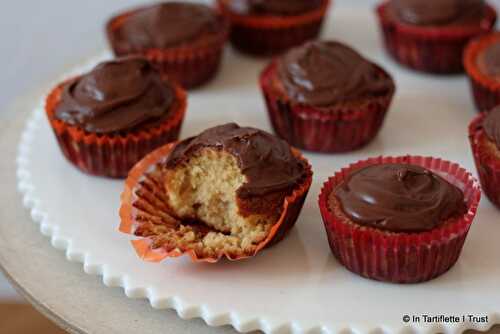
<point x="228" y="192"/>
<point x="484" y="135"/>
<point x="110" y="118"/>
<point x="482" y="63"/>
<point x="400" y="220"/>
<point x="430" y="36"/>
<point x="325" y="97"/>
<point x="268" y="27"/>
<point x="183" y="40"/>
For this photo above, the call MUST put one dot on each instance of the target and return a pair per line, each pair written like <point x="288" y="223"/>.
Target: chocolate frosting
<point x="489" y="61"/>
<point x="491" y="125"/>
<point x="398" y="198"/>
<point x="267" y="161"/>
<point x="273" y="7"/>
<point x="325" y="73"/>
<point x="168" y="25"/>
<point x="439" y="12"/>
<point x="116" y="96"/>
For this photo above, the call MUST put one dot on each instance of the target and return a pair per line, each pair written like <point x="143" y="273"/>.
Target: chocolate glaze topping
<point x="273" y="7"/>
<point x="491" y="125"/>
<point x="439" y="12"/>
<point x="398" y="198"/>
<point x="168" y="25"/>
<point x="325" y="73"/>
<point x="267" y="161"/>
<point x="116" y="96"/>
<point x="489" y="61"/>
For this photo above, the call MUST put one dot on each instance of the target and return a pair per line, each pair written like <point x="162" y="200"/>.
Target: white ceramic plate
<point x="297" y="286"/>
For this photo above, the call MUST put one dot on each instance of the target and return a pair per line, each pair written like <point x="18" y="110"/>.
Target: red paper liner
<point x="486" y="90"/>
<point x="270" y="35"/>
<point x="190" y="65"/>
<point x="400" y="257"/>
<point x="341" y="128"/>
<point x="112" y="155"/>
<point x="487" y="162"/>
<point x="142" y="204"/>
<point x="430" y="49"/>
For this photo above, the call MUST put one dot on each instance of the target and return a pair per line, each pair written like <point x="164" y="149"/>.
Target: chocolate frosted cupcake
<point x="185" y="41"/>
<point x="228" y="192"/>
<point x="401" y="220"/>
<point x="484" y="135"/>
<point x="483" y="68"/>
<point x="267" y="27"/>
<point x="108" y="119"/>
<point x="430" y="36"/>
<point x="326" y="97"/>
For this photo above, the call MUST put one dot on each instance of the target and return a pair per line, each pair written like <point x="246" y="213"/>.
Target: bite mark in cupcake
<point x="230" y="190"/>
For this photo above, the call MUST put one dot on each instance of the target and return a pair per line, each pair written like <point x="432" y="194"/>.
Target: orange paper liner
<point x="191" y="65"/>
<point x="486" y="90"/>
<point x="487" y="163"/>
<point x="430" y="49"/>
<point x="136" y="195"/>
<point x="328" y="130"/>
<point x="400" y="257"/>
<point x="268" y="34"/>
<point x="112" y="155"/>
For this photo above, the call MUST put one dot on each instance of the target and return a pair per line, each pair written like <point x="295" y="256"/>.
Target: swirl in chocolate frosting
<point x="168" y="25"/>
<point x="267" y="161"/>
<point x="439" y="12"/>
<point x="273" y="7"/>
<point x="116" y="96"/>
<point x="398" y="198"/>
<point x="325" y="73"/>
<point x="491" y="125"/>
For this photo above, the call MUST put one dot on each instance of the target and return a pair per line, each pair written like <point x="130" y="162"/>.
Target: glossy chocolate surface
<point x="273" y="7"/>
<point x="167" y="25"/>
<point x="439" y="12"/>
<point x="118" y="95"/>
<point x="398" y="198"/>
<point x="325" y="73"/>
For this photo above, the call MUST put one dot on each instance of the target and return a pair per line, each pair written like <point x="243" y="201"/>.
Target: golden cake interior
<point x="202" y="194"/>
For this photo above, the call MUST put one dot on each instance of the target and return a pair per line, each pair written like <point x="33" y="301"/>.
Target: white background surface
<point x="429" y="116"/>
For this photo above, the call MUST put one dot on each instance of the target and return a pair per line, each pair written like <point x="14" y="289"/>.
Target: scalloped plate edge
<point x="109" y="279"/>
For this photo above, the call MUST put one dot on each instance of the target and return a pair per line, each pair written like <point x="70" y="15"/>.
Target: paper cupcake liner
<point x="486" y="91"/>
<point x="328" y="130"/>
<point x="400" y="257"/>
<point x="434" y="50"/>
<point x="112" y="155"/>
<point x="488" y="165"/>
<point x="270" y="35"/>
<point x="144" y="202"/>
<point x="190" y="65"/>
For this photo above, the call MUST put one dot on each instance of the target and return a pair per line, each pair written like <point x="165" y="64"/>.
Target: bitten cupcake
<point x="399" y="219"/>
<point x="482" y="63"/>
<point x="228" y="192"/>
<point x="268" y="27"/>
<point x="325" y="97"/>
<point x="108" y="119"/>
<point x="484" y="135"/>
<point x="183" y="40"/>
<point x="430" y="36"/>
